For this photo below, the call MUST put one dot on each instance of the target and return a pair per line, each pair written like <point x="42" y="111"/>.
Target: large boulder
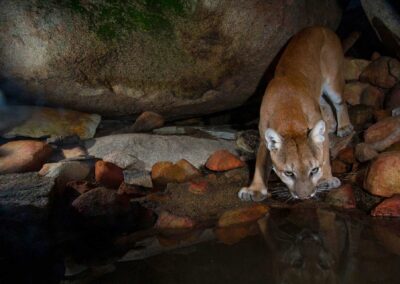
<point x="177" y="58"/>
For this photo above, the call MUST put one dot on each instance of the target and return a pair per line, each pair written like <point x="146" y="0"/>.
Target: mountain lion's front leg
<point x="257" y="190"/>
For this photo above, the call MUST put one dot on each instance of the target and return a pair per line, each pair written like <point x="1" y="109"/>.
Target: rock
<point x="68" y="141"/>
<point x="223" y="160"/>
<point x="73" y="152"/>
<point x="372" y="96"/>
<point x="385" y="20"/>
<point x="23" y="156"/>
<point x="163" y="173"/>
<point x="80" y="186"/>
<point x="393" y="147"/>
<point x="123" y="160"/>
<point x="364" y="152"/>
<point x="104" y="207"/>
<point x="360" y="115"/>
<point x="380" y="114"/>
<point x="148" y="121"/>
<point x="392" y="99"/>
<point x="248" y="141"/>
<point x="243" y="215"/>
<point x="347" y="155"/>
<point x="339" y="167"/>
<point x="131" y="190"/>
<point x="138" y="177"/>
<point x="375" y="55"/>
<point x="383" y="178"/>
<point x="353" y="91"/>
<point x="167" y="220"/>
<point x="172" y="130"/>
<point x="218" y="132"/>
<point x="383" y="133"/>
<point x="365" y="201"/>
<point x="44" y="121"/>
<point x="155" y="148"/>
<point x="64" y="172"/>
<point x="336" y="144"/>
<point x="383" y="72"/>
<point x="342" y="197"/>
<point x="108" y="174"/>
<point x="388" y="208"/>
<point x="177" y="58"/>
<point x="353" y="68"/>
<point x="198" y="187"/>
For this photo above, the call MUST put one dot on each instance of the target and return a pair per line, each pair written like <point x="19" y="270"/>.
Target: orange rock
<point x="389" y="207"/>
<point x="380" y="114"/>
<point x="198" y="187"/>
<point x="167" y="220"/>
<point x="242" y="215"/>
<point x="233" y="234"/>
<point x="353" y="68"/>
<point x="23" y="156"/>
<point x="364" y="152"/>
<point x="372" y="96"/>
<point x="392" y="99"/>
<point x="382" y="72"/>
<point x="353" y="91"/>
<point x="375" y="55"/>
<point x="342" y="197"/>
<point x="223" y="160"/>
<point x="347" y="155"/>
<point x="131" y="190"/>
<point x="339" y="167"/>
<point x="148" y="121"/>
<point x="108" y="174"/>
<point x="167" y="172"/>
<point x="383" y="177"/>
<point x="382" y="129"/>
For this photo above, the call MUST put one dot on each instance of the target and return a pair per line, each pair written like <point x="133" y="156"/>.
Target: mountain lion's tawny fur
<point x="294" y="142"/>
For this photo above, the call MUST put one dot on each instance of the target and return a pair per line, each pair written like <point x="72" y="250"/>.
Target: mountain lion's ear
<point x="274" y="140"/>
<point x="317" y="133"/>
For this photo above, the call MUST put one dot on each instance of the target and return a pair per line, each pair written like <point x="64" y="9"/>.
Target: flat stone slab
<point x="151" y="148"/>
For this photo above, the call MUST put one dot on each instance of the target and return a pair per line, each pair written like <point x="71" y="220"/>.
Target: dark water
<point x="290" y="246"/>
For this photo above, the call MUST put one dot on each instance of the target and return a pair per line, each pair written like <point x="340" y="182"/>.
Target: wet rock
<point x="45" y="121"/>
<point x="155" y="148"/>
<point x="383" y="72"/>
<point x="177" y="58"/>
<point x="383" y="178"/>
<point x="64" y="172"/>
<point x="380" y="114"/>
<point x="243" y="215"/>
<point x="233" y="234"/>
<point x="73" y="152"/>
<point x="138" y="177"/>
<point x="353" y="67"/>
<point x="384" y="133"/>
<point x="372" y="96"/>
<point x="167" y="220"/>
<point x="103" y="207"/>
<point x="364" y="152"/>
<point x="392" y="99"/>
<point x="339" y="167"/>
<point x="148" y="121"/>
<point x="25" y="197"/>
<point x="23" y="156"/>
<point x="163" y="173"/>
<point x="342" y="197"/>
<point x="108" y="174"/>
<point x="388" y="208"/>
<point x="347" y="155"/>
<point x="360" y="116"/>
<point x="353" y="91"/>
<point x="223" y="160"/>
<point x="384" y="18"/>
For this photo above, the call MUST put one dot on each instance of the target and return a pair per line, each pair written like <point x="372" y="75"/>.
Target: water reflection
<point x="292" y="246"/>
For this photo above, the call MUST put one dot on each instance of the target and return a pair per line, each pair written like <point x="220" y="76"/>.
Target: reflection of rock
<point x="175" y="57"/>
<point x="243" y="215"/>
<point x="389" y="235"/>
<point x="55" y="122"/>
<point x="23" y="156"/>
<point x="155" y="148"/>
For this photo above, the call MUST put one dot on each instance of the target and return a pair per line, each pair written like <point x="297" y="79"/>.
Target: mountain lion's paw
<point x="251" y="194"/>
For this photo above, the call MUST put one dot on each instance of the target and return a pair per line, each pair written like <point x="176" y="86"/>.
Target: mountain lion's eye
<point x="314" y="171"/>
<point x="288" y="173"/>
